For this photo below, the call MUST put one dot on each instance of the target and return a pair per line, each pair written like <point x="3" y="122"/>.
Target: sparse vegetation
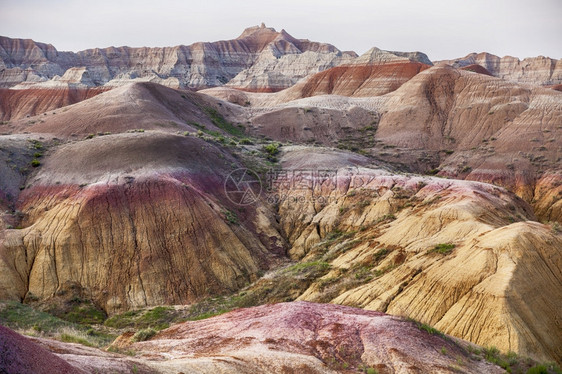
<point x="386" y="217"/>
<point x="367" y="369"/>
<point x="79" y="311"/>
<point x="443" y="248"/>
<point x="427" y="328"/>
<point x="24" y="319"/>
<point x="157" y="318"/>
<point x="511" y="362"/>
<point x="36" y="144"/>
<point x="231" y="217"/>
<point x="69" y="338"/>
<point x="246" y="141"/>
<point x="144" y="334"/>
<point x="35" y="163"/>
<point x="219" y="121"/>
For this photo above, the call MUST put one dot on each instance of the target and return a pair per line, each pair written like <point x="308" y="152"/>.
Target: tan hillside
<point x="482" y="287"/>
<point x="147" y="223"/>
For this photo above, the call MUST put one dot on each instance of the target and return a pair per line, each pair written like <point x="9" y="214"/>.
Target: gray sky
<point x="440" y="28"/>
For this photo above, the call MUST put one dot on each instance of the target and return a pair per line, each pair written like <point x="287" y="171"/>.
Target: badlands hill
<point x="135" y="106"/>
<point x="387" y="184"/>
<point x="248" y="60"/>
<point x="543" y="71"/>
<point x="16" y="104"/>
<point x="453" y="122"/>
<point x="261" y="59"/>
<point x="101" y="215"/>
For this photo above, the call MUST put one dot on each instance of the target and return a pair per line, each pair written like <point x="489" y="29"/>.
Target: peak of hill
<point x="146" y="106"/>
<point x="378" y="56"/>
<point x="258" y="30"/>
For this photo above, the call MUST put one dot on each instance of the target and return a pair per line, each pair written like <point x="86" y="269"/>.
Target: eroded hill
<point x="436" y="207"/>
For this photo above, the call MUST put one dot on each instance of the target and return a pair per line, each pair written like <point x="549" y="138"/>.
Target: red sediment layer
<point x="350" y="80"/>
<point x="15" y="104"/>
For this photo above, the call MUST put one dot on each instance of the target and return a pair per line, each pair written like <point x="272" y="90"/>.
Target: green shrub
<point x="35" y="163"/>
<point x="443" y="248"/>
<point x="36" y="144"/>
<point x="246" y="141"/>
<point x="144" y="334"/>
<point x="272" y="150"/>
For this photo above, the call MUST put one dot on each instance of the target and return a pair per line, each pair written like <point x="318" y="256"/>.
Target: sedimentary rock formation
<point x="198" y="65"/>
<point x="479" y="284"/>
<point x="272" y="73"/>
<point x="358" y="80"/>
<point x="306" y="337"/>
<point x="459" y="123"/>
<point x="500" y="132"/>
<point x="135" y="106"/>
<point x="16" y="104"/>
<point x="376" y="56"/>
<point x="134" y="220"/>
<point x="137" y="218"/>
<point x="281" y="338"/>
<point x="539" y="70"/>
